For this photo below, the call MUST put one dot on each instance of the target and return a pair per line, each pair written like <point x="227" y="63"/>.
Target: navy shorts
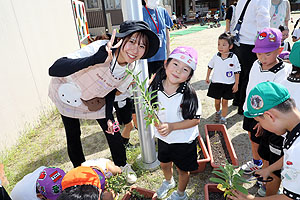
<point x="124" y="114"/>
<point x="183" y="155"/>
<point x="220" y="90"/>
<point x="248" y="125"/>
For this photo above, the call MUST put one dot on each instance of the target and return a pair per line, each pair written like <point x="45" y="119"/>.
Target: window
<point x="93" y="4"/>
<point x="112" y="4"/>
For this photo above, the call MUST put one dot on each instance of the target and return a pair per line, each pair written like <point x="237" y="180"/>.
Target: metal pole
<point x="132" y="10"/>
<point x="104" y="15"/>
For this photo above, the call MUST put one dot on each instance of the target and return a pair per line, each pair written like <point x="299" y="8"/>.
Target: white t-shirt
<point x="256" y="18"/>
<point x="257" y="75"/>
<point x="296" y="33"/>
<point x="172" y="113"/>
<point x="290" y="173"/>
<point x="224" y="69"/>
<point x="25" y="189"/>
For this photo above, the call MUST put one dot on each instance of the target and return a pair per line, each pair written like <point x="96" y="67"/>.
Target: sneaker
<point x="175" y="196"/>
<point x="164" y="188"/>
<point x="218" y="116"/>
<point x="250" y="167"/>
<point x="262" y="191"/>
<point x="130" y="174"/>
<point x="223" y="121"/>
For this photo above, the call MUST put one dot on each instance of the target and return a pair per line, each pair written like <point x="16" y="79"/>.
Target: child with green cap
<point x="272" y="107"/>
<point x="292" y="83"/>
<point x="268" y="67"/>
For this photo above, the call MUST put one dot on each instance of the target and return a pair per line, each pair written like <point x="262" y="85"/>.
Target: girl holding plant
<point x="177" y="129"/>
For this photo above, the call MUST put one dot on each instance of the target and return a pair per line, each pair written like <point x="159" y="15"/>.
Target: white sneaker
<point x="175" y="196"/>
<point x="250" y="167"/>
<point x="164" y="188"/>
<point x="130" y="174"/>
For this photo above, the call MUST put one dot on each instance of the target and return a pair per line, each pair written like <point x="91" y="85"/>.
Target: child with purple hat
<point x="43" y="183"/>
<point x="177" y="131"/>
<point x="269" y="67"/>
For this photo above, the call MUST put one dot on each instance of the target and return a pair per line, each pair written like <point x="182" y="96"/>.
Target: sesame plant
<point x="229" y="179"/>
<point x="150" y="109"/>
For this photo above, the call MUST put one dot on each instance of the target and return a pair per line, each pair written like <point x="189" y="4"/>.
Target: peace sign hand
<point x="109" y="46"/>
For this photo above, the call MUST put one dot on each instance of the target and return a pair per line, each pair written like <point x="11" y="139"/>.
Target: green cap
<point x="295" y="54"/>
<point x="265" y="96"/>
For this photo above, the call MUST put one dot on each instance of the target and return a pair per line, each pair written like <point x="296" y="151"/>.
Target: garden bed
<point x="220" y="147"/>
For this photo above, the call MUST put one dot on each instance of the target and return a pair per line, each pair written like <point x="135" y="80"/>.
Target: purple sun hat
<point x="49" y="182"/>
<point x="268" y="40"/>
<point x="186" y="54"/>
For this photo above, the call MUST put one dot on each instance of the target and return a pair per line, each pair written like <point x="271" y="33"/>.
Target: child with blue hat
<point x="271" y="105"/>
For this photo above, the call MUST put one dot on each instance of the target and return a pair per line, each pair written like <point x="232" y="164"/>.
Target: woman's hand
<point x="109" y="46"/>
<point x="164" y="129"/>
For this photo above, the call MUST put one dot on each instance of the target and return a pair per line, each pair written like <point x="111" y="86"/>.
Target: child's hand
<point x="109" y="46"/>
<point x="110" y="128"/>
<point x="207" y="80"/>
<point x="235" y="88"/>
<point x="259" y="130"/>
<point x="164" y="129"/>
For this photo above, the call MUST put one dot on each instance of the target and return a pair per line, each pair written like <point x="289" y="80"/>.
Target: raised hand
<point x="109" y="46"/>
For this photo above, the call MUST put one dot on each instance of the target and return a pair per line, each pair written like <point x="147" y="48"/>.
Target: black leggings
<point x="75" y="152"/>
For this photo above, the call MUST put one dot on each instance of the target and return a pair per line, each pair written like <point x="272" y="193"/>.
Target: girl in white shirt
<point x="177" y="130"/>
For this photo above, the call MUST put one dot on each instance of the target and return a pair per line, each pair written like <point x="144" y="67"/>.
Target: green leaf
<point x="219" y="174"/>
<point x="241" y="189"/>
<point x="217" y="180"/>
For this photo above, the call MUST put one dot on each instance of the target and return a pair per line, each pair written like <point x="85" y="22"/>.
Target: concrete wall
<point x="34" y="33"/>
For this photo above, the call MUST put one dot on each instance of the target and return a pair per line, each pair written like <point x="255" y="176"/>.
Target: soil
<point x="216" y="196"/>
<point x="219" y="148"/>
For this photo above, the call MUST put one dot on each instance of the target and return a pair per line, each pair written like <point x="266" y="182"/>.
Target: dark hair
<point x="141" y="36"/>
<point x="143" y="2"/>
<point x="80" y="192"/>
<point x="283" y="28"/>
<point x="189" y="103"/>
<point x="228" y="37"/>
<point x="286" y="106"/>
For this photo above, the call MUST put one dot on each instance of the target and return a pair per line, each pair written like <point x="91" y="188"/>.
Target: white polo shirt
<point x="257" y="75"/>
<point x="290" y="173"/>
<point x="224" y="69"/>
<point x="172" y="113"/>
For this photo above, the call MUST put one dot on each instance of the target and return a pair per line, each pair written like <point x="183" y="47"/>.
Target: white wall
<point x="34" y="33"/>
